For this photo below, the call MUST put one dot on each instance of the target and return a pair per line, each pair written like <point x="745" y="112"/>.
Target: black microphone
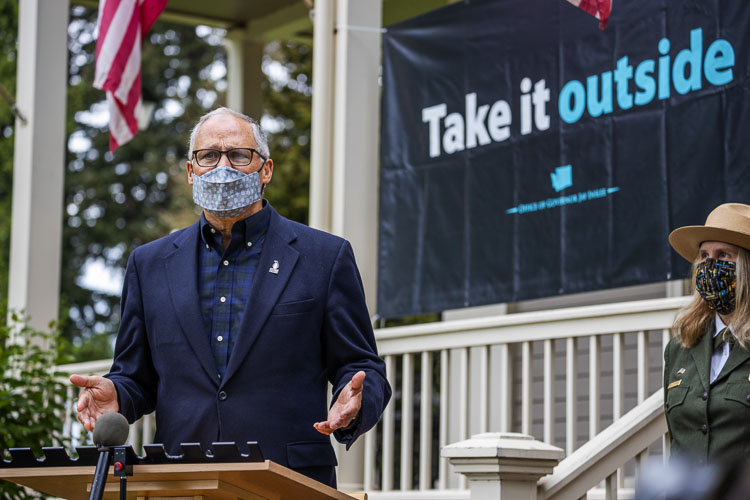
<point x="111" y="429"/>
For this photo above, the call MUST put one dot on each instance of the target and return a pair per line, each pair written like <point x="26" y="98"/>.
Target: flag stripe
<point x="107" y="11"/>
<point x="111" y="41"/>
<point x="123" y="25"/>
<point x="118" y="124"/>
<point x="119" y="54"/>
<point x="149" y="12"/>
<point x="127" y="46"/>
<point x="134" y="100"/>
<point x="132" y="68"/>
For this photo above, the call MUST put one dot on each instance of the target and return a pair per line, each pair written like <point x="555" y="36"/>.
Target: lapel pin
<point x="274" y="269"/>
<point x="680" y="371"/>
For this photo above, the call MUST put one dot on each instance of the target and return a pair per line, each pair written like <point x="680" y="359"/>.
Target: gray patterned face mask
<point x="226" y="192"/>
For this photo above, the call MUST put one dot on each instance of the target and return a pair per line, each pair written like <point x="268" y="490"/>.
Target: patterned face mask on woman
<point x="226" y="192"/>
<point x="715" y="281"/>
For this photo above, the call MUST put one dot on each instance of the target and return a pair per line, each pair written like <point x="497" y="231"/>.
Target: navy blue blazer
<point x="303" y="327"/>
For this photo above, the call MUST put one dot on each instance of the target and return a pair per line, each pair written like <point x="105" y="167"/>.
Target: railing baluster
<point x="526" y="387"/>
<point x="425" y="423"/>
<point x="444" y="393"/>
<point x="571" y="395"/>
<point x="463" y="405"/>
<point x="610" y="487"/>
<point x="369" y="476"/>
<point x="388" y="431"/>
<point x="618" y="383"/>
<point x="70" y="401"/>
<point x="594" y="388"/>
<point x="506" y="388"/>
<point x="484" y="384"/>
<point x="549" y="392"/>
<point x="618" y="352"/>
<point x="407" y="424"/>
<point x="134" y="435"/>
<point x="642" y="367"/>
<point x="666" y="334"/>
<point x="640" y="462"/>
<point x="148" y="428"/>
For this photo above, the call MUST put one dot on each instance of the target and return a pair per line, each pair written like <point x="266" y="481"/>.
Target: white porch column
<point x="356" y="136"/>
<point x="321" y="134"/>
<point x="503" y="465"/>
<point x="39" y="161"/>
<point x="345" y="148"/>
<point x="244" y="73"/>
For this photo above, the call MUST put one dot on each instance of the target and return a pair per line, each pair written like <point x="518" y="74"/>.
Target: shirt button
<point x="223" y="299"/>
<point x="704" y="428"/>
<point x="226" y="262"/>
<point x="222" y="395"/>
<point x="219" y="338"/>
<point x="207" y="246"/>
<point x="213" y="230"/>
<point x="705" y="396"/>
<point x="249" y="243"/>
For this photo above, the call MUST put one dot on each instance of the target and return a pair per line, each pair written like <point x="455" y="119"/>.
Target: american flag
<point x="600" y="9"/>
<point x="122" y="25"/>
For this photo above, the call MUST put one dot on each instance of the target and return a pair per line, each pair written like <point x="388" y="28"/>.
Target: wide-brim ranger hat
<point x="727" y="223"/>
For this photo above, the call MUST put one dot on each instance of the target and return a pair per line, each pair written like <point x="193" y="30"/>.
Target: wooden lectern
<point x="220" y="481"/>
<point x="222" y="473"/>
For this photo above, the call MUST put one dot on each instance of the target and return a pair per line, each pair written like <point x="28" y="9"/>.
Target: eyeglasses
<point x="238" y="157"/>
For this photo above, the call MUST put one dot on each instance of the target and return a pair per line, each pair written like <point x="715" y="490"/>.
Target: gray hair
<point x="261" y="141"/>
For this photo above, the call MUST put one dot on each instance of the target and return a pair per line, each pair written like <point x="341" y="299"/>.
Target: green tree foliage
<point x="8" y="53"/>
<point x="115" y="202"/>
<point x="31" y="406"/>
<point x="287" y="103"/>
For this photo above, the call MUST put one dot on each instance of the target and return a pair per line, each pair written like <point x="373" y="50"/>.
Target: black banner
<point x="526" y="153"/>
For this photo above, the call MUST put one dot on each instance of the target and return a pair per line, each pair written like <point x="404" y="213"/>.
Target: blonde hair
<point x="694" y="320"/>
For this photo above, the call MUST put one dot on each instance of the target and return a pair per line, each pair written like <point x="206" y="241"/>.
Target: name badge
<point x="675" y="384"/>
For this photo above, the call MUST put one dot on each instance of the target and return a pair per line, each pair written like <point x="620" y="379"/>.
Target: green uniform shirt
<point x="707" y="422"/>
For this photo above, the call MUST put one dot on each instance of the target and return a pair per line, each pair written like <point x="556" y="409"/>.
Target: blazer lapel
<point x="182" y="275"/>
<point x="701" y="353"/>
<point x="737" y="356"/>
<point x="267" y="287"/>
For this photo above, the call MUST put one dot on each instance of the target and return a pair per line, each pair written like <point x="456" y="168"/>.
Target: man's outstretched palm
<point x="98" y="397"/>
<point x="346" y="407"/>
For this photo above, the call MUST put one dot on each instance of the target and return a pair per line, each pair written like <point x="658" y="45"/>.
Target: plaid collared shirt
<point x="226" y="277"/>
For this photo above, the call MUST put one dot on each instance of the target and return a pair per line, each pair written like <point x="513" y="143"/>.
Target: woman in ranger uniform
<point x="707" y="363"/>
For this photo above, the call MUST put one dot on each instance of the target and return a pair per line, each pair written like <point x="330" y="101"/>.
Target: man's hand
<point x="346" y="407"/>
<point x="98" y="396"/>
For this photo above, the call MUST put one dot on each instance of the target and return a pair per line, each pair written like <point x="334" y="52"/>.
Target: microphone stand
<point x="100" y="476"/>
<point x="122" y="469"/>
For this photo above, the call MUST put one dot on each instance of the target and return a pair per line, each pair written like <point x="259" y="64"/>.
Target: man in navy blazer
<point x="218" y="370"/>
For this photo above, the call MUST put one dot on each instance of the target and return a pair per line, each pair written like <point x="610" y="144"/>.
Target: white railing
<point x="628" y="437"/>
<point x="561" y="375"/>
